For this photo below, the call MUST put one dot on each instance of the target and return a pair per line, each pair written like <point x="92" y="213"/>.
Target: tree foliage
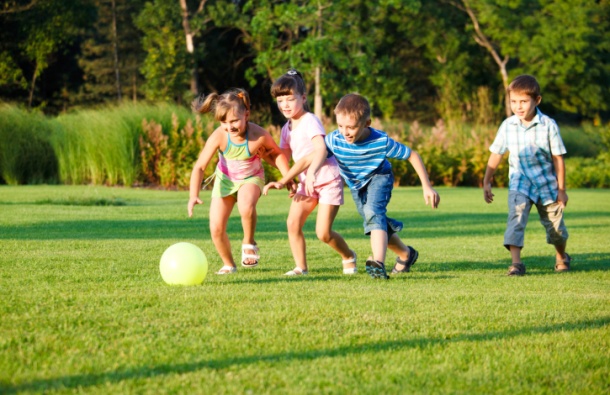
<point x="412" y="59"/>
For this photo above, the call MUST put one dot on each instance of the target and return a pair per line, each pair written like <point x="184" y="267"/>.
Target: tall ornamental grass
<point x="102" y="146"/>
<point x="26" y="154"/>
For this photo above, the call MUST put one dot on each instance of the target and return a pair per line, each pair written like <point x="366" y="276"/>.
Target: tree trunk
<point x="483" y="41"/>
<point x="317" y="101"/>
<point x="190" y="47"/>
<point x="31" y="98"/>
<point x="115" y="48"/>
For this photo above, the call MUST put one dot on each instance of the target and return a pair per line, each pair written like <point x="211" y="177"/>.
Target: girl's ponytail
<point x="236" y="100"/>
<point x="204" y="104"/>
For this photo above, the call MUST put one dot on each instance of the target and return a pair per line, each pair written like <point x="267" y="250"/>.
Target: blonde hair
<point x="354" y="105"/>
<point x="525" y="84"/>
<point x="236" y="100"/>
<point x="291" y="83"/>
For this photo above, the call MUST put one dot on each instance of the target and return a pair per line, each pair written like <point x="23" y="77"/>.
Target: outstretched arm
<point x="431" y="197"/>
<point x="492" y="166"/>
<point x="197" y="174"/>
<point x="287" y="177"/>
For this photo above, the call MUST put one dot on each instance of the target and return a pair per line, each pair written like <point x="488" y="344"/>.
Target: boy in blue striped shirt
<point x="536" y="173"/>
<point x="362" y="153"/>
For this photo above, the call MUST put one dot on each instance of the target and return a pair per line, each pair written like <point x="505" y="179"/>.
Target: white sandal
<point x="296" y="272"/>
<point x="227" y="270"/>
<point x="244" y="255"/>
<point x="351" y="270"/>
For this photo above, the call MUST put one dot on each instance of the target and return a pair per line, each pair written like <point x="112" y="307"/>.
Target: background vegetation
<point x="84" y="79"/>
<point x="156" y="145"/>
<point x="84" y="308"/>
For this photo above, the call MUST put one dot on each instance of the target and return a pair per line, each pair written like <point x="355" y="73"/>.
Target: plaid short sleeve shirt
<point x="531" y="170"/>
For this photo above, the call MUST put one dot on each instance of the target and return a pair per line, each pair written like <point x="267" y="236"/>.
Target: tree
<point x="189" y="19"/>
<point x="551" y="39"/>
<point x="347" y="41"/>
<point x="459" y="70"/>
<point x="41" y="29"/>
<point x="112" y="53"/>
<point x="568" y="50"/>
<point x="166" y="62"/>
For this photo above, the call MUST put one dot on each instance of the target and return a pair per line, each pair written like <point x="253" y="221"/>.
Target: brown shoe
<point x="516" y="269"/>
<point x="563" y="265"/>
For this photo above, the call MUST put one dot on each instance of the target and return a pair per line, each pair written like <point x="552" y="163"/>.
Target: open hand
<point x="487" y="195"/>
<point x="192" y="202"/>
<point x="562" y="198"/>
<point x="273" y="184"/>
<point x="431" y="197"/>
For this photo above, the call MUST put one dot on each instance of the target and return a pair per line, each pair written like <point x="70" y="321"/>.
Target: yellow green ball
<point x="183" y="264"/>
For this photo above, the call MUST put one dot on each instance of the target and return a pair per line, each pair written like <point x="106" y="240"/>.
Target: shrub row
<point x="156" y="145"/>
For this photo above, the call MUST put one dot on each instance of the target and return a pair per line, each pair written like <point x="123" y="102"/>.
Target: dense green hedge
<point x="158" y="144"/>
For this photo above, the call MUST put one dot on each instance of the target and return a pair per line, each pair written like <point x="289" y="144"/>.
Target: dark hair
<point x="525" y="84"/>
<point x="291" y="83"/>
<point x="235" y="99"/>
<point x="354" y="105"/>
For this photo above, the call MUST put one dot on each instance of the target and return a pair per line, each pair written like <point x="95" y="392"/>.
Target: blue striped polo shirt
<point x="360" y="161"/>
<point x="531" y="170"/>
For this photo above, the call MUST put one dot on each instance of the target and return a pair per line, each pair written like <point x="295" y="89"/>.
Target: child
<point x="536" y="173"/>
<point x="361" y="153"/>
<point x="239" y="174"/>
<point x="301" y="135"/>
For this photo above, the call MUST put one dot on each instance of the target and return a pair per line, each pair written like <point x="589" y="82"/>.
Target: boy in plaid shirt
<point x="536" y="173"/>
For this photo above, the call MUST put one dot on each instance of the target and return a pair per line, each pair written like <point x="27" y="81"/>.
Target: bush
<point x="156" y="145"/>
<point x="167" y="159"/>
<point x="588" y="172"/>
<point x="26" y="154"/>
<point x="452" y="157"/>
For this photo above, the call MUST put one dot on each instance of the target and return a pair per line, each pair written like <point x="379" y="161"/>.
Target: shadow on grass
<point x="82" y="381"/>
<point x="349" y="225"/>
<point x="269" y="226"/>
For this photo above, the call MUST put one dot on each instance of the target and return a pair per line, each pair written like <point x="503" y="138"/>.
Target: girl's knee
<point x="217" y="230"/>
<point x="324" y="235"/>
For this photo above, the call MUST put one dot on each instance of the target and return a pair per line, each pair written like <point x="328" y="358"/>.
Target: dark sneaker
<point x="410" y="261"/>
<point x="563" y="265"/>
<point x="516" y="269"/>
<point x="376" y="269"/>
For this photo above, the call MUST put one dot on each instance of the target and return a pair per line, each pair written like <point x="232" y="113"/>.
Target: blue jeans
<point x="372" y="202"/>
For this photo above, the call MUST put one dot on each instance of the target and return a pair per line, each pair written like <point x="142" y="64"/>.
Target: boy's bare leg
<point x="220" y="209"/>
<point x="324" y="222"/>
<point x="300" y="209"/>
<point x="399" y="248"/>
<point x="247" y="197"/>
<point x="560" y="252"/>
<point x="515" y="253"/>
<point x="379" y="244"/>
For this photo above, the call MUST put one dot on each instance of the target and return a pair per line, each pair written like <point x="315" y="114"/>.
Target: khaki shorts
<point x="551" y="217"/>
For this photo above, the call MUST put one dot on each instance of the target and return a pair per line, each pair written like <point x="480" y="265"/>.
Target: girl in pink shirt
<point x="301" y="135"/>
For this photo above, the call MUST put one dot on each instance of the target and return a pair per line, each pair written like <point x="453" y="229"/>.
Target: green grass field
<point x="84" y="309"/>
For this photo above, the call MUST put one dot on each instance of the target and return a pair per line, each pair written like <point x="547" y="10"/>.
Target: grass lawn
<point x="84" y="309"/>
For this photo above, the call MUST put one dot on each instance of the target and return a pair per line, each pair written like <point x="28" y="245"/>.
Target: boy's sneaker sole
<point x="376" y="269"/>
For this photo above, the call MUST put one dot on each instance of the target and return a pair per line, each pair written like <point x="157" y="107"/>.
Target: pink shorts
<point x="330" y="193"/>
